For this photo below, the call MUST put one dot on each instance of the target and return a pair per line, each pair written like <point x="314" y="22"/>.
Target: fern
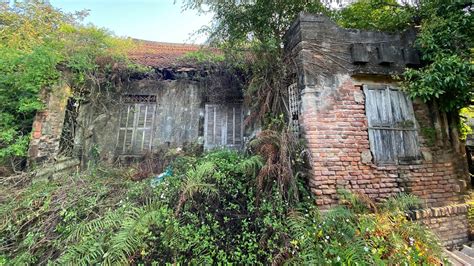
<point x="110" y="220"/>
<point x="401" y="203"/>
<point x="117" y="236"/>
<point x="359" y="203"/>
<point x="196" y="182"/>
<point x="251" y="166"/>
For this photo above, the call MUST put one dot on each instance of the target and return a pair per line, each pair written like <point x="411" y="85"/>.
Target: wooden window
<point x="223" y="126"/>
<point x="392" y="125"/>
<point x="137" y="117"/>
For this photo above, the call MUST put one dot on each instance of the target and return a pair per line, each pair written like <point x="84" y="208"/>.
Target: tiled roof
<point x="160" y="54"/>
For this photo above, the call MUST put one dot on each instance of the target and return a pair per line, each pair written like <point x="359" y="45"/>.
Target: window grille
<point x="293" y="94"/>
<point x="392" y="126"/>
<point x="139" y="98"/>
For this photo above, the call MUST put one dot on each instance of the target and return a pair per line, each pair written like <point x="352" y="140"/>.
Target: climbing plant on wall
<point x="38" y="45"/>
<point x="251" y="34"/>
<point x="445" y="40"/>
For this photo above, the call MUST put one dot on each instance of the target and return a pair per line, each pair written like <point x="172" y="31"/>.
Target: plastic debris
<point x="156" y="180"/>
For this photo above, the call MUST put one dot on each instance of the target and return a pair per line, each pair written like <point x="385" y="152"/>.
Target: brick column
<point x="48" y="125"/>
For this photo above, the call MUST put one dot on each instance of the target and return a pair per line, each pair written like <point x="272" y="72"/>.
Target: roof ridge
<point x="169" y="43"/>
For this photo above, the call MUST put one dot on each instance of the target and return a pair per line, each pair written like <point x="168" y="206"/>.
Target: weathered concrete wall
<point x="179" y="111"/>
<point x="48" y="125"/>
<point x="55" y="169"/>
<point x="449" y="223"/>
<point x="179" y="115"/>
<point x="332" y="64"/>
<point x="179" y="95"/>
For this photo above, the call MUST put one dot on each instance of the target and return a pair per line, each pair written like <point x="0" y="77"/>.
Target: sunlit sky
<point x="154" y="20"/>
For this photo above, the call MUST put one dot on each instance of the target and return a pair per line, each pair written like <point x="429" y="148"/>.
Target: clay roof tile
<point x="161" y="54"/>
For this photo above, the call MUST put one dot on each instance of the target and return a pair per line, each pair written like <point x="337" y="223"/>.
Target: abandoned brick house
<point x="363" y="133"/>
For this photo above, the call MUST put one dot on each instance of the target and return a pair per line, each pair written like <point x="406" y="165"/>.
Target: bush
<point x="359" y="234"/>
<point x="207" y="212"/>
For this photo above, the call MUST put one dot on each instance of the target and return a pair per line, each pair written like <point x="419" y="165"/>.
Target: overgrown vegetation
<point x="446" y="41"/>
<point x="256" y="28"/>
<point x="39" y="47"/>
<point x="221" y="207"/>
<point x="205" y="213"/>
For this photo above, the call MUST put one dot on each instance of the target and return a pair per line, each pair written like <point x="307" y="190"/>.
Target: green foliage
<point x="262" y="22"/>
<point x="401" y="203"/>
<point x="385" y="15"/>
<point x="356" y="236"/>
<point x="23" y="76"/>
<point x="101" y="217"/>
<point x="250" y="33"/>
<point x="38" y="45"/>
<point x="448" y="80"/>
<point x="204" y="56"/>
<point x="445" y="40"/>
<point x="466" y="115"/>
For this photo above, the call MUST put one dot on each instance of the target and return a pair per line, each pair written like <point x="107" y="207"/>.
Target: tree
<point x="445" y="40"/>
<point x="37" y="43"/>
<point x="251" y="33"/>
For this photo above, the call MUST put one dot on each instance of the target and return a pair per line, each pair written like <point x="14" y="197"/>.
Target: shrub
<point x="205" y="213"/>
<point x="358" y="233"/>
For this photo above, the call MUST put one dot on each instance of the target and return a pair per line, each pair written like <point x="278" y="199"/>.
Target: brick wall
<point x="449" y="223"/>
<point x="48" y="125"/>
<point x="336" y="130"/>
<point x="330" y="65"/>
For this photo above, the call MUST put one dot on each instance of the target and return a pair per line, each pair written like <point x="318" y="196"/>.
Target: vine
<point x="39" y="47"/>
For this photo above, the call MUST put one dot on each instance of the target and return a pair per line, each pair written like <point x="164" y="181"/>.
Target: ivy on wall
<point x="38" y="46"/>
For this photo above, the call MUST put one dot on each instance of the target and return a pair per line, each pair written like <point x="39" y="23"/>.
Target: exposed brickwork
<point x="48" y="125"/>
<point x="449" y="223"/>
<point x="337" y="136"/>
<point x="331" y="64"/>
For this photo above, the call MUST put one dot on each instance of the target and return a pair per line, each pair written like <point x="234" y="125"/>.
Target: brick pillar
<point x="48" y="125"/>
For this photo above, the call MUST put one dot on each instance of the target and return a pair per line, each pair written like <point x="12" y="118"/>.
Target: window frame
<point x="224" y="141"/>
<point x="134" y="103"/>
<point x="404" y="145"/>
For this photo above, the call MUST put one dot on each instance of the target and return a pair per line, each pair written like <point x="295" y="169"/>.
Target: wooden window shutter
<point x="136" y="126"/>
<point x="223" y="126"/>
<point x="392" y="125"/>
<point x="210" y="125"/>
<point x="234" y="126"/>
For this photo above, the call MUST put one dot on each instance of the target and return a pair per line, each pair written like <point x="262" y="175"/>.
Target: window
<point x="223" y="126"/>
<point x="392" y="125"/>
<point x="293" y="103"/>
<point x="137" y="117"/>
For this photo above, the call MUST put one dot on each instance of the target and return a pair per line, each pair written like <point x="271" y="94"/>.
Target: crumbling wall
<point x="332" y="64"/>
<point x="180" y="96"/>
<point x="177" y="120"/>
<point x="48" y="125"/>
<point x="449" y="223"/>
<point x="337" y="136"/>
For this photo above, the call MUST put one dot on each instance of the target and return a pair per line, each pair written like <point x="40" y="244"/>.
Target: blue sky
<point x="154" y="20"/>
